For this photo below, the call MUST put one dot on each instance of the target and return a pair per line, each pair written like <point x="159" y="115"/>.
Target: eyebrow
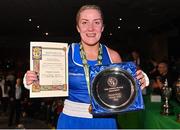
<point x="94" y="19"/>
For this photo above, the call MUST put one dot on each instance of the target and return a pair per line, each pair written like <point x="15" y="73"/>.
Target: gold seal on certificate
<point x="50" y="61"/>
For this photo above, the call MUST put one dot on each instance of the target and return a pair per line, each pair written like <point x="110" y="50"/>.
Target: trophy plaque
<point x="114" y="89"/>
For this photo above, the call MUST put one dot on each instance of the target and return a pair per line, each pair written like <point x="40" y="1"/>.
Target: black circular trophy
<point x="113" y="90"/>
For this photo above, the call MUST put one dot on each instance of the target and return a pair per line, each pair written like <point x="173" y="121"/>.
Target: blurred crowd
<point x="16" y="104"/>
<point x="162" y="73"/>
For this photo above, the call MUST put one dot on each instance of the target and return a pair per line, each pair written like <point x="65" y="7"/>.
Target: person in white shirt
<point x="5" y="96"/>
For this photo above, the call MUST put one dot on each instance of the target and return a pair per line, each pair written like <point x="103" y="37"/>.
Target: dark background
<point x="157" y="37"/>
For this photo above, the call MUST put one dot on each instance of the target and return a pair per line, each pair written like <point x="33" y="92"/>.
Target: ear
<point x="102" y="28"/>
<point x="77" y="27"/>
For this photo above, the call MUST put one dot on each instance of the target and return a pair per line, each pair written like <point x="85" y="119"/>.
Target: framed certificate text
<point x="50" y="61"/>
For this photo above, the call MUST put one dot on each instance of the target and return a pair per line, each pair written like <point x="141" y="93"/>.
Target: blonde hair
<point x="88" y="7"/>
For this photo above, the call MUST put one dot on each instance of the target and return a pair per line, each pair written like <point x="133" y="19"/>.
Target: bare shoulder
<point x="115" y="57"/>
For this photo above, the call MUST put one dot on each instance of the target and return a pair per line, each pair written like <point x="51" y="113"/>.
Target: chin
<point x="90" y="43"/>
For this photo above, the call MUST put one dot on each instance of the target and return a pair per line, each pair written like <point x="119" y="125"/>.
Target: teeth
<point x="91" y="34"/>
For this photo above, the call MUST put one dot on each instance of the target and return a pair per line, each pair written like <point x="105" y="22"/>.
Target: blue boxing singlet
<point x="77" y="79"/>
<point x="78" y="94"/>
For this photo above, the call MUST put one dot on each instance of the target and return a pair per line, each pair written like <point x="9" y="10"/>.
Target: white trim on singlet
<point x="76" y="109"/>
<point x="73" y="46"/>
<point x="76" y="74"/>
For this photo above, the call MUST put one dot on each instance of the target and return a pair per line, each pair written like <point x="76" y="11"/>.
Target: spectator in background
<point x="5" y="96"/>
<point x="177" y="65"/>
<point x="15" y="101"/>
<point x="18" y="97"/>
<point x="151" y="67"/>
<point x="11" y="85"/>
<point x="164" y="77"/>
<point x="137" y="59"/>
<point x="11" y="76"/>
<point x="54" y="108"/>
<point x="58" y="110"/>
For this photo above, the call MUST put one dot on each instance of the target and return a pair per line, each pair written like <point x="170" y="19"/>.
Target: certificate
<point x="50" y="61"/>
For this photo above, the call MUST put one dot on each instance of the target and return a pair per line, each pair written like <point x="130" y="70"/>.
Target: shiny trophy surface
<point x="177" y="86"/>
<point x="166" y="107"/>
<point x="115" y="89"/>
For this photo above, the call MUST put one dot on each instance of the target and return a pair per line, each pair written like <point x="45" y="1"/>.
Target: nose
<point x="90" y="27"/>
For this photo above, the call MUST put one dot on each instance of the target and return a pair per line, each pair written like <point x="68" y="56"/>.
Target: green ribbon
<point x="85" y="63"/>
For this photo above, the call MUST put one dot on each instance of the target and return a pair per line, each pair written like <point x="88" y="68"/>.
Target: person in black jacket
<point x="164" y="77"/>
<point x="11" y="85"/>
<point x="15" y="101"/>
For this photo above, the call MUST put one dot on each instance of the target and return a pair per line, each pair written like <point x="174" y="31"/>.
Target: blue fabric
<point x="78" y="92"/>
<point x="69" y="122"/>
<point x="77" y="79"/>
<point x="129" y="67"/>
